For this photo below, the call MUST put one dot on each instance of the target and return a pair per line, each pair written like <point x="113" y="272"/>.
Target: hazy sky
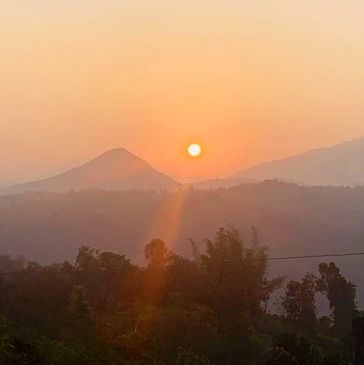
<point x="251" y="80"/>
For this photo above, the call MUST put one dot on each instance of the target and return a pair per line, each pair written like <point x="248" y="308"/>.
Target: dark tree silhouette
<point x="299" y="302"/>
<point x="341" y="296"/>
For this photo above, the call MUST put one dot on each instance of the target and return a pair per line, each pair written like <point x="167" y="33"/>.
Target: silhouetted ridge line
<point x="338" y="165"/>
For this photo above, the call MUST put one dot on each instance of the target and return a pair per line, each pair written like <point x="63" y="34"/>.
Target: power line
<point x="278" y="258"/>
<point x="302" y="257"/>
<point x="314" y="256"/>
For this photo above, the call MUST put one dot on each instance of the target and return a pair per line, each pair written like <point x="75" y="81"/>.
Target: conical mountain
<point x="117" y="169"/>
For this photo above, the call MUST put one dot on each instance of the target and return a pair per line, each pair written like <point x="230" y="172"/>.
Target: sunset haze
<point x="273" y="78"/>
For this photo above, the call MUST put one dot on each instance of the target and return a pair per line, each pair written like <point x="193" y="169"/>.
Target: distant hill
<point x="116" y="169"/>
<point x="338" y="165"/>
<point x="220" y="183"/>
<point x="292" y="220"/>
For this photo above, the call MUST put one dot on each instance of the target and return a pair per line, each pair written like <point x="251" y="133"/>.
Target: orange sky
<point x="251" y="80"/>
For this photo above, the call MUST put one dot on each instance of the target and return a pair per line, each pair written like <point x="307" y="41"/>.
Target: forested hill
<point x="291" y="220"/>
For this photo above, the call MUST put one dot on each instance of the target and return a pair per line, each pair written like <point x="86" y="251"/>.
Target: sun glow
<point x="194" y="150"/>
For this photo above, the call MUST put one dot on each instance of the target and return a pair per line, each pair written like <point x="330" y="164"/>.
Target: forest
<point x="292" y="220"/>
<point x="213" y="308"/>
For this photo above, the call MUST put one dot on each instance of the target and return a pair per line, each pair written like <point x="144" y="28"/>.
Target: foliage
<point x="299" y="302"/>
<point x="278" y="356"/>
<point x="209" y="310"/>
<point x="341" y="296"/>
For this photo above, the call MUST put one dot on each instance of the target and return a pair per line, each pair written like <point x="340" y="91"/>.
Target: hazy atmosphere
<point x="81" y="77"/>
<point x="181" y="182"/>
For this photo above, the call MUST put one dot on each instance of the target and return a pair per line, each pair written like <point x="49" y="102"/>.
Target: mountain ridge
<point x="115" y="169"/>
<point x="336" y="165"/>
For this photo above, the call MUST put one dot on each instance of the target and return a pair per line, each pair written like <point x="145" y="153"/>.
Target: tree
<point x="24" y="301"/>
<point x="187" y="281"/>
<point x="5" y="345"/>
<point x="299" y="302"/>
<point x="80" y="324"/>
<point x="155" y="276"/>
<point x="163" y="330"/>
<point x="304" y="352"/>
<point x="187" y="357"/>
<point x="278" y="356"/>
<point x="156" y="253"/>
<point x="341" y="296"/>
<point x="176" y="310"/>
<point x="237" y="274"/>
<point x="102" y="275"/>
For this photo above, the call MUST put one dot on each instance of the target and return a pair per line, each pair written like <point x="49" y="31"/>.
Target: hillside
<point x="338" y="165"/>
<point x="116" y="169"/>
<point x="291" y="219"/>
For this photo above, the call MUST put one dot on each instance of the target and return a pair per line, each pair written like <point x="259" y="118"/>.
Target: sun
<point x="194" y="150"/>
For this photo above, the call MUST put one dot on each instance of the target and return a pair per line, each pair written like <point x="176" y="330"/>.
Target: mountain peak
<point x="118" y="155"/>
<point x="118" y="151"/>
<point x="115" y="169"/>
